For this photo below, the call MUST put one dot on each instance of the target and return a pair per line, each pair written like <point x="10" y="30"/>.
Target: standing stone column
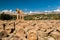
<point x="20" y="14"/>
<point x="17" y="16"/>
<point x="17" y="13"/>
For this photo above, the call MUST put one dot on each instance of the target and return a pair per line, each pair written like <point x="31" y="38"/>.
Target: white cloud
<point x="4" y="10"/>
<point x="57" y="10"/>
<point x="34" y="12"/>
<point x="7" y="11"/>
<point x="10" y="10"/>
<point x="30" y="11"/>
<point x="47" y="11"/>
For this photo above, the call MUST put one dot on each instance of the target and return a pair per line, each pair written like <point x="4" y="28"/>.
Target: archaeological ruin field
<point x="29" y="27"/>
<point x="30" y="30"/>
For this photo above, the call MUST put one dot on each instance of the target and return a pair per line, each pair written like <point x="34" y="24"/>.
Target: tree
<point x="6" y="16"/>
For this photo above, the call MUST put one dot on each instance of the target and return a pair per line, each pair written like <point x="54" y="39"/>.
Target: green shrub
<point x="6" y="17"/>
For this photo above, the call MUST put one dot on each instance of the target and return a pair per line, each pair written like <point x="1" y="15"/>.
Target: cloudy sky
<point x="30" y="5"/>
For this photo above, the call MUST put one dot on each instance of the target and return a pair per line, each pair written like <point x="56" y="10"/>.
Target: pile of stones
<point x="32" y="30"/>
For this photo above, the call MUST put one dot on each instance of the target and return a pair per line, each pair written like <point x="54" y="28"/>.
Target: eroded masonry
<point x="29" y="30"/>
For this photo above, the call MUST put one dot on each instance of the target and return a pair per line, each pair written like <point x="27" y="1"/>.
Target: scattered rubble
<point x="30" y="30"/>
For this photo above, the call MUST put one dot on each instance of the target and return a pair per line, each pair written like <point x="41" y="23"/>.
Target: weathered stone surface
<point x="32" y="35"/>
<point x="20" y="33"/>
<point x="56" y="35"/>
<point x="33" y="30"/>
<point x="42" y="34"/>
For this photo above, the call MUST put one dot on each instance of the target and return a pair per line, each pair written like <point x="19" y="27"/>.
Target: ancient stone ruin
<point x="20" y="15"/>
<point x="29" y="30"/>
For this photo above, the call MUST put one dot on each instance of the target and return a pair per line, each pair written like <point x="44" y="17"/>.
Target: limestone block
<point x="56" y="35"/>
<point x="8" y="31"/>
<point x="1" y="28"/>
<point x="4" y="38"/>
<point x="58" y="28"/>
<point x="50" y="38"/>
<point x="20" y="33"/>
<point x="3" y="34"/>
<point x="48" y="30"/>
<point x="32" y="35"/>
<point x="14" y="38"/>
<point x="41" y="39"/>
<point x="42" y="34"/>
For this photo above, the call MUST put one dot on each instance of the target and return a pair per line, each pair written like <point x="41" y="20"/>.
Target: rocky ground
<point x="30" y="30"/>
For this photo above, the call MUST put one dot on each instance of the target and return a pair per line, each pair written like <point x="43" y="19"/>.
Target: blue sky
<point x="30" y="5"/>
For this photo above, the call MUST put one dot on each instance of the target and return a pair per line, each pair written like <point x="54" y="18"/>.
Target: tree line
<point x="4" y="16"/>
